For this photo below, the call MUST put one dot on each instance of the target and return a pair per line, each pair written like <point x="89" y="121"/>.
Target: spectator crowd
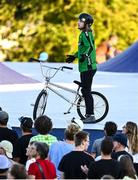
<point x="44" y="156"/>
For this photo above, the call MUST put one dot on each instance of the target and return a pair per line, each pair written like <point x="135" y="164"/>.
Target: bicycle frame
<point x="49" y="86"/>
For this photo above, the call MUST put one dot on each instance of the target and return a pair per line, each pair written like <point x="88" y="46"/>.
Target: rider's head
<point x="85" y="21"/>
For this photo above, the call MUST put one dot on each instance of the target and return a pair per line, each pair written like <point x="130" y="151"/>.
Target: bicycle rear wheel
<point x="40" y="104"/>
<point x="101" y="106"/>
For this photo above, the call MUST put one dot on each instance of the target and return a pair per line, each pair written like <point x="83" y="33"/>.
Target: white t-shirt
<point x="28" y="162"/>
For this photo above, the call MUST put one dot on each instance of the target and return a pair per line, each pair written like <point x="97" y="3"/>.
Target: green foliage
<point x="29" y="27"/>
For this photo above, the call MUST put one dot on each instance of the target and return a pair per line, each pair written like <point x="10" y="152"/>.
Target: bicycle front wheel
<point x="40" y="104"/>
<point x="101" y="106"/>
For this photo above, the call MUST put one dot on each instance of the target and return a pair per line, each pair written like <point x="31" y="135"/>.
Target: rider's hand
<point x="70" y="58"/>
<point x="83" y="57"/>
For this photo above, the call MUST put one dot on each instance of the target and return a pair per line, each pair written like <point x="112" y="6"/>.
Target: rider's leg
<point x="86" y="80"/>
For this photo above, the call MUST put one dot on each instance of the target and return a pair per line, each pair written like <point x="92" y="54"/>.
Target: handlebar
<point x="33" y="59"/>
<point x="66" y="67"/>
<point x="61" y="68"/>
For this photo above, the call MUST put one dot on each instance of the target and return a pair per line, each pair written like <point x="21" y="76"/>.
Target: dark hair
<point x="107" y="146"/>
<point x="43" y="124"/>
<point x="80" y="137"/>
<point x="127" y="167"/>
<point x="70" y="131"/>
<point x="42" y="149"/>
<point x="4" y="117"/>
<point x="18" y="171"/>
<point x="26" y="123"/>
<point x="110" y="128"/>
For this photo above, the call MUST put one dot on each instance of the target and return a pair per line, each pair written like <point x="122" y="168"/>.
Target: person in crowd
<point x="131" y="131"/>
<point x="70" y="164"/>
<point x="107" y="49"/>
<point x="87" y="62"/>
<point x="110" y="128"/>
<point x="61" y="148"/>
<point x="43" y="125"/>
<point x="5" y="164"/>
<point x="107" y="165"/>
<point x="120" y="144"/>
<point x="42" y="168"/>
<point x="6" y="148"/>
<point x="17" y="171"/>
<point x="128" y="170"/>
<point x="26" y="124"/>
<point x="5" y="132"/>
<point x="30" y="156"/>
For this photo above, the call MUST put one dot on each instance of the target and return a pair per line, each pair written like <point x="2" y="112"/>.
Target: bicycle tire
<point x="40" y="104"/>
<point x="100" y="101"/>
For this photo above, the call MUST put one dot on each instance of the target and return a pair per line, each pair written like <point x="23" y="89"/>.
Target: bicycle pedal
<point x="66" y="112"/>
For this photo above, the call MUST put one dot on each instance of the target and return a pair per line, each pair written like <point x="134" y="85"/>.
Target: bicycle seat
<point x="78" y="83"/>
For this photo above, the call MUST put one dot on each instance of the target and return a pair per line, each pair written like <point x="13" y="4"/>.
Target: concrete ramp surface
<point x="10" y="76"/>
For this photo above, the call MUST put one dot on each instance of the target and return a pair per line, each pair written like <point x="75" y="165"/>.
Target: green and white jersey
<point x="86" y="47"/>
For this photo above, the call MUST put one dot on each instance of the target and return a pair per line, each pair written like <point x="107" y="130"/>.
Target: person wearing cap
<point x="5" y="164"/>
<point x="120" y="144"/>
<point x="6" y="148"/>
<point x="87" y="62"/>
<point x="6" y="133"/>
<point x="61" y="148"/>
<point x="19" y="154"/>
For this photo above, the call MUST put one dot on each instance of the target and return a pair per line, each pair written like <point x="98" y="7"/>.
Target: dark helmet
<point x="86" y="18"/>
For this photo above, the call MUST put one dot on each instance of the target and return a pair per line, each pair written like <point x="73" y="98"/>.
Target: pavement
<point x="121" y="90"/>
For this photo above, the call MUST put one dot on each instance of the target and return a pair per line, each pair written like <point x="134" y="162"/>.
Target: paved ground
<point x="121" y="90"/>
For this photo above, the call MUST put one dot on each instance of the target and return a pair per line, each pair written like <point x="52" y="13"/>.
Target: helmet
<point x="86" y="18"/>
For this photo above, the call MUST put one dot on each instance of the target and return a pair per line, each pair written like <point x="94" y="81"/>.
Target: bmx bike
<point x="101" y="106"/>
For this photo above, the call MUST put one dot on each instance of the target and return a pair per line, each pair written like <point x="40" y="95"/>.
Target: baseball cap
<point x="26" y="122"/>
<point x="8" y="147"/>
<point x="3" y="115"/>
<point x="4" y="162"/>
<point x="121" y="138"/>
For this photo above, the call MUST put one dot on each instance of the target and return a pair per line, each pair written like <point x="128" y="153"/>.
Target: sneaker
<point x="89" y="119"/>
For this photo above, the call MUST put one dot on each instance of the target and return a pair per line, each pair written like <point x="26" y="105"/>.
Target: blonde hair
<point x="132" y="134"/>
<point x="71" y="130"/>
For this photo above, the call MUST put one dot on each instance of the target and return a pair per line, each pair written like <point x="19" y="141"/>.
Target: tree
<point x="30" y="27"/>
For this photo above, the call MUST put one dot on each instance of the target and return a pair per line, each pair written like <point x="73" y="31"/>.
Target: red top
<point x="48" y="169"/>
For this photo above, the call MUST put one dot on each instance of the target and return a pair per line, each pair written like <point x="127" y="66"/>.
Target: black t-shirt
<point x="116" y="155"/>
<point x="71" y="163"/>
<point x="9" y="135"/>
<point x="102" y="167"/>
<point x="21" y="146"/>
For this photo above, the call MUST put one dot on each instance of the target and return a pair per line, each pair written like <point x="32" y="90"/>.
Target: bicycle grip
<point x="66" y="67"/>
<point x="33" y="59"/>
